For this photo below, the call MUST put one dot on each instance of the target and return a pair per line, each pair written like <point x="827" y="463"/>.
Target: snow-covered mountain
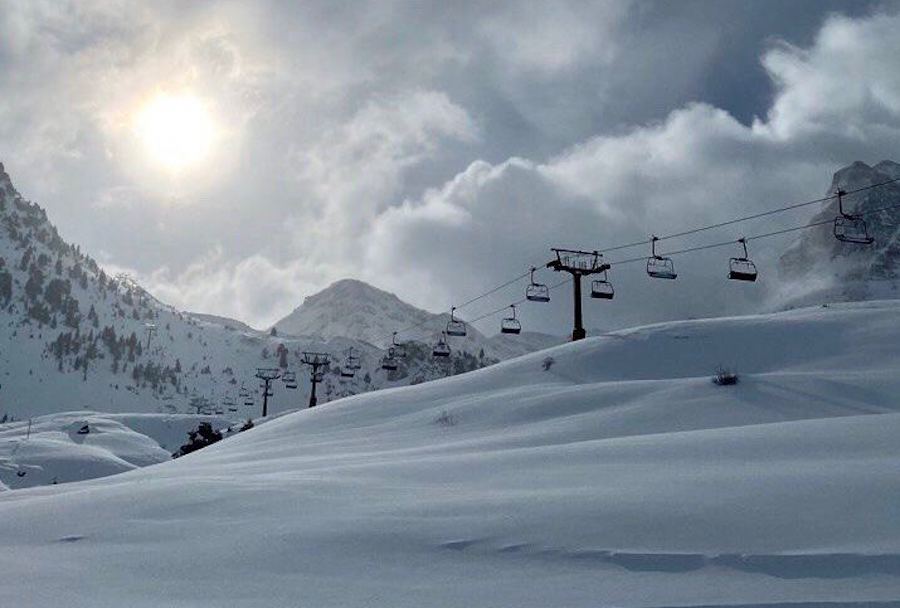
<point x="354" y="309"/>
<point x="607" y="472"/>
<point x="818" y="267"/>
<point x="73" y="337"/>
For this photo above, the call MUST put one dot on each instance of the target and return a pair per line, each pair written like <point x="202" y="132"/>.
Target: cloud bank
<point x="433" y="152"/>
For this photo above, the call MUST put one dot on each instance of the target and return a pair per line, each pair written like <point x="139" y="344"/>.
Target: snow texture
<point x="608" y="472"/>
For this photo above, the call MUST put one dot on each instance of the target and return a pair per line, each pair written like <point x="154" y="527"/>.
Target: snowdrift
<point x="606" y="472"/>
<point x="56" y="449"/>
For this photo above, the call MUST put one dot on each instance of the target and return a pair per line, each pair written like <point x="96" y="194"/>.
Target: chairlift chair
<point x="850" y="228"/>
<point x="219" y="412"/>
<point x="537" y="292"/>
<point x="290" y="380"/>
<point x="455" y="327"/>
<point x="659" y="267"/>
<point x="346" y="372"/>
<point x="441" y="348"/>
<point x="352" y="361"/>
<point x="248" y="401"/>
<point x="741" y="268"/>
<point x="511" y="325"/>
<point x="232" y="409"/>
<point x="389" y="361"/>
<point x="602" y="289"/>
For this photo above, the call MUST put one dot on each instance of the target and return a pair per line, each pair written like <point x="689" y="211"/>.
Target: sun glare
<point x="176" y="130"/>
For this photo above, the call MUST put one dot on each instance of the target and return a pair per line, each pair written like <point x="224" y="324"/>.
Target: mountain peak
<point x="354" y="309"/>
<point x="818" y="258"/>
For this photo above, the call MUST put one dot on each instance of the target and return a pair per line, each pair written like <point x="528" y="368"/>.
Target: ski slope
<point x="609" y="472"/>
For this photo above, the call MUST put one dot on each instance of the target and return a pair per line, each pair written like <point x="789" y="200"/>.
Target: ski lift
<point x="511" y="325"/>
<point x="346" y="372"/>
<point x="219" y="412"/>
<point x="248" y="400"/>
<point x="441" y="348"/>
<point x="659" y="267"/>
<point x="289" y="379"/>
<point x="850" y="228"/>
<point x="389" y="361"/>
<point x="602" y="289"/>
<point x="352" y="361"/>
<point x="232" y="409"/>
<point x="742" y="269"/>
<point x="455" y="327"/>
<point x="536" y="292"/>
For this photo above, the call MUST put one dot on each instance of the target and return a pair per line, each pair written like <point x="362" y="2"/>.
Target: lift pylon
<point x="578" y="264"/>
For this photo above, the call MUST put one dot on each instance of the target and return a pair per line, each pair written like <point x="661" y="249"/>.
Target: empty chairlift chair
<point x="290" y="380"/>
<point x="537" y="292"/>
<point x="352" y="361"/>
<point x="850" y="228"/>
<point x="389" y="361"/>
<point x="511" y="325"/>
<point x="602" y="289"/>
<point x="659" y="267"/>
<point x="455" y="327"/>
<point x="441" y="348"/>
<point x="742" y="268"/>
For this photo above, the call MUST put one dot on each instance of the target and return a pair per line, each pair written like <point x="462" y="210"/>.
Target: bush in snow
<point x="724" y="377"/>
<point x="204" y="435"/>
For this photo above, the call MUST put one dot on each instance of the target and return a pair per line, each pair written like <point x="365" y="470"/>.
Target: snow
<point x="620" y="475"/>
<point x="49" y="449"/>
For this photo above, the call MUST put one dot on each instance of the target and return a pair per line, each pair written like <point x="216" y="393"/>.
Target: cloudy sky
<point x="238" y="156"/>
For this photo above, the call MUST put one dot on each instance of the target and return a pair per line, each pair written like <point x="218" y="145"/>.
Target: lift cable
<point x="678" y="235"/>
<point x="746" y="218"/>
<point x="699" y="248"/>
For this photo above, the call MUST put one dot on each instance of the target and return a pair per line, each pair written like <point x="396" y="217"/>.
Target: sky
<point x="236" y="157"/>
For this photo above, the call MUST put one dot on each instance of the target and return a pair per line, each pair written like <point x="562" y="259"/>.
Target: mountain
<point x="606" y="472"/>
<point x="818" y="267"/>
<point x="72" y="337"/>
<point x="357" y="310"/>
<point x="353" y="309"/>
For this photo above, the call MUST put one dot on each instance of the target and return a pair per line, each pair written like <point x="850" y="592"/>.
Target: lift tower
<point x="267" y="375"/>
<point x="315" y="361"/>
<point x="578" y="264"/>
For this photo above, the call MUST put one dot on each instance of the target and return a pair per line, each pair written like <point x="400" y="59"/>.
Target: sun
<point x="177" y="130"/>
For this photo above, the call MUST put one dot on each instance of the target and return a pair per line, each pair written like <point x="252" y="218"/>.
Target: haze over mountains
<point x="73" y="337"/>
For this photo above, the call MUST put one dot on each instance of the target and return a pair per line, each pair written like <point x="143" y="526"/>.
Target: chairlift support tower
<point x="315" y="361"/>
<point x="267" y="375"/>
<point x="150" y="328"/>
<point x="578" y="264"/>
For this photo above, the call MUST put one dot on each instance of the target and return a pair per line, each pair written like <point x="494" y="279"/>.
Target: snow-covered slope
<point x="50" y="449"/>
<point x="72" y="337"/>
<point x="605" y="472"/>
